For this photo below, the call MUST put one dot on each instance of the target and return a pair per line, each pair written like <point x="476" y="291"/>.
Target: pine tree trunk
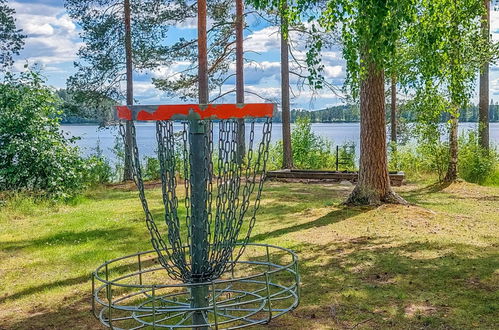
<point x="287" y="157"/>
<point x="451" y="175"/>
<point x="373" y="186"/>
<point x="393" y="107"/>
<point x="128" y="172"/>
<point x="241" y="144"/>
<point x="483" y="103"/>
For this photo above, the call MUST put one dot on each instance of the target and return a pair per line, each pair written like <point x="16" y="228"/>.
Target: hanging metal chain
<point x="231" y="195"/>
<point x="156" y="239"/>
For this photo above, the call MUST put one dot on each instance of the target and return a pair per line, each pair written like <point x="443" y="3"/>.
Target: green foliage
<point x="409" y="112"/>
<point x="446" y="49"/>
<point x="309" y="150"/>
<point x="347" y="157"/>
<point x="432" y="156"/>
<point x="419" y="160"/>
<point x="152" y="169"/>
<point x="35" y="155"/>
<point x="82" y="107"/>
<point x="97" y="171"/>
<point x="11" y="38"/>
<point x="119" y="156"/>
<point x="97" y="168"/>
<point x="275" y="156"/>
<point x="476" y="164"/>
<point x="370" y="31"/>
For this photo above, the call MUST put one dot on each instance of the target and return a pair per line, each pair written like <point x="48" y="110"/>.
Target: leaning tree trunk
<point x="241" y="147"/>
<point x="451" y="175"/>
<point x="287" y="158"/>
<point x="373" y="186"/>
<point x="483" y="104"/>
<point x="393" y="112"/>
<point x="128" y="174"/>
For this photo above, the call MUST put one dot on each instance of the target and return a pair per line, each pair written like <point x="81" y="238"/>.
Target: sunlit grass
<point x="431" y="265"/>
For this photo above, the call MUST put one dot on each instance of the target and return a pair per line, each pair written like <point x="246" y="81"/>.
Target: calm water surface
<point x="338" y="133"/>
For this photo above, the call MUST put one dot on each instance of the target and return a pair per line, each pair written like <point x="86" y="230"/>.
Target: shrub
<point x="97" y="171"/>
<point x="309" y="150"/>
<point x="97" y="168"/>
<point x="152" y="169"/>
<point x="419" y="160"/>
<point x="275" y="156"/>
<point x="118" y="151"/>
<point x="347" y="158"/>
<point x="35" y="155"/>
<point x="475" y="164"/>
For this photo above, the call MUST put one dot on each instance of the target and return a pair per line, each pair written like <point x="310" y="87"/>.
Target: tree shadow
<point x="75" y="280"/>
<point x="429" y="189"/>
<point x="333" y="217"/>
<point x="386" y="285"/>
<point x="74" y="313"/>
<point x="66" y="238"/>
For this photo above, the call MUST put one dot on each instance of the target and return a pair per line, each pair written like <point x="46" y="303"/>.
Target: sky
<point x="53" y="41"/>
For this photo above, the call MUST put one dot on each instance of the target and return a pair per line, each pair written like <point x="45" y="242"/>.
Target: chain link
<point x="232" y="195"/>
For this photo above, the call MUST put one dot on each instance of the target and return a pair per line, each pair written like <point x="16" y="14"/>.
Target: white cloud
<point x="52" y="37"/>
<point x="334" y="71"/>
<point x="264" y="40"/>
<point x="37" y="29"/>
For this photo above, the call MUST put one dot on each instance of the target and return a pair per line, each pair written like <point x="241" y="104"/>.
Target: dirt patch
<point x="380" y="278"/>
<point x="419" y="309"/>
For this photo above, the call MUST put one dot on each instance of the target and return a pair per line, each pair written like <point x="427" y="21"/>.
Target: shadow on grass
<point x="365" y="282"/>
<point x="67" y="238"/>
<point x="332" y="217"/>
<point x="430" y="189"/>
<point x="75" y="280"/>
<point x="74" y="313"/>
<point x="380" y="284"/>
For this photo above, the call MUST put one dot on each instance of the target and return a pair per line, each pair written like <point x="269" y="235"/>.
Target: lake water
<point x="337" y="133"/>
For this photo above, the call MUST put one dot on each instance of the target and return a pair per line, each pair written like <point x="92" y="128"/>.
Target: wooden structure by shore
<point x="396" y="178"/>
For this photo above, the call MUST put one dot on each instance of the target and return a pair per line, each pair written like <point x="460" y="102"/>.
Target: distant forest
<point x="73" y="113"/>
<point x="350" y="113"/>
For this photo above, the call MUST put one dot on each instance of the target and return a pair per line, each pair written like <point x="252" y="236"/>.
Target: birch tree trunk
<point x="393" y="108"/>
<point x="451" y="175"/>
<point x="483" y="103"/>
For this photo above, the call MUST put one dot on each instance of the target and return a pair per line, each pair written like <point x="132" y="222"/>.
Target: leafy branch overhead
<point x="373" y="32"/>
<point x="11" y="38"/>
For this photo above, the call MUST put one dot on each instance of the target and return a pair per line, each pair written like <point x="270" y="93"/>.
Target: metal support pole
<point x="214" y="301"/>
<point x="154" y="307"/>
<point x="199" y="154"/>
<point x="140" y="269"/>
<point x="199" y="221"/>
<point x="110" y="306"/>
<point x="269" y="301"/>
<point x="93" y="295"/>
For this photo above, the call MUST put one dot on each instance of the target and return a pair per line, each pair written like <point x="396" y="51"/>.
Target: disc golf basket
<point x="202" y="272"/>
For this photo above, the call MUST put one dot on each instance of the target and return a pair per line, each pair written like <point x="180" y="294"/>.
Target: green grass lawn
<point x="434" y="265"/>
